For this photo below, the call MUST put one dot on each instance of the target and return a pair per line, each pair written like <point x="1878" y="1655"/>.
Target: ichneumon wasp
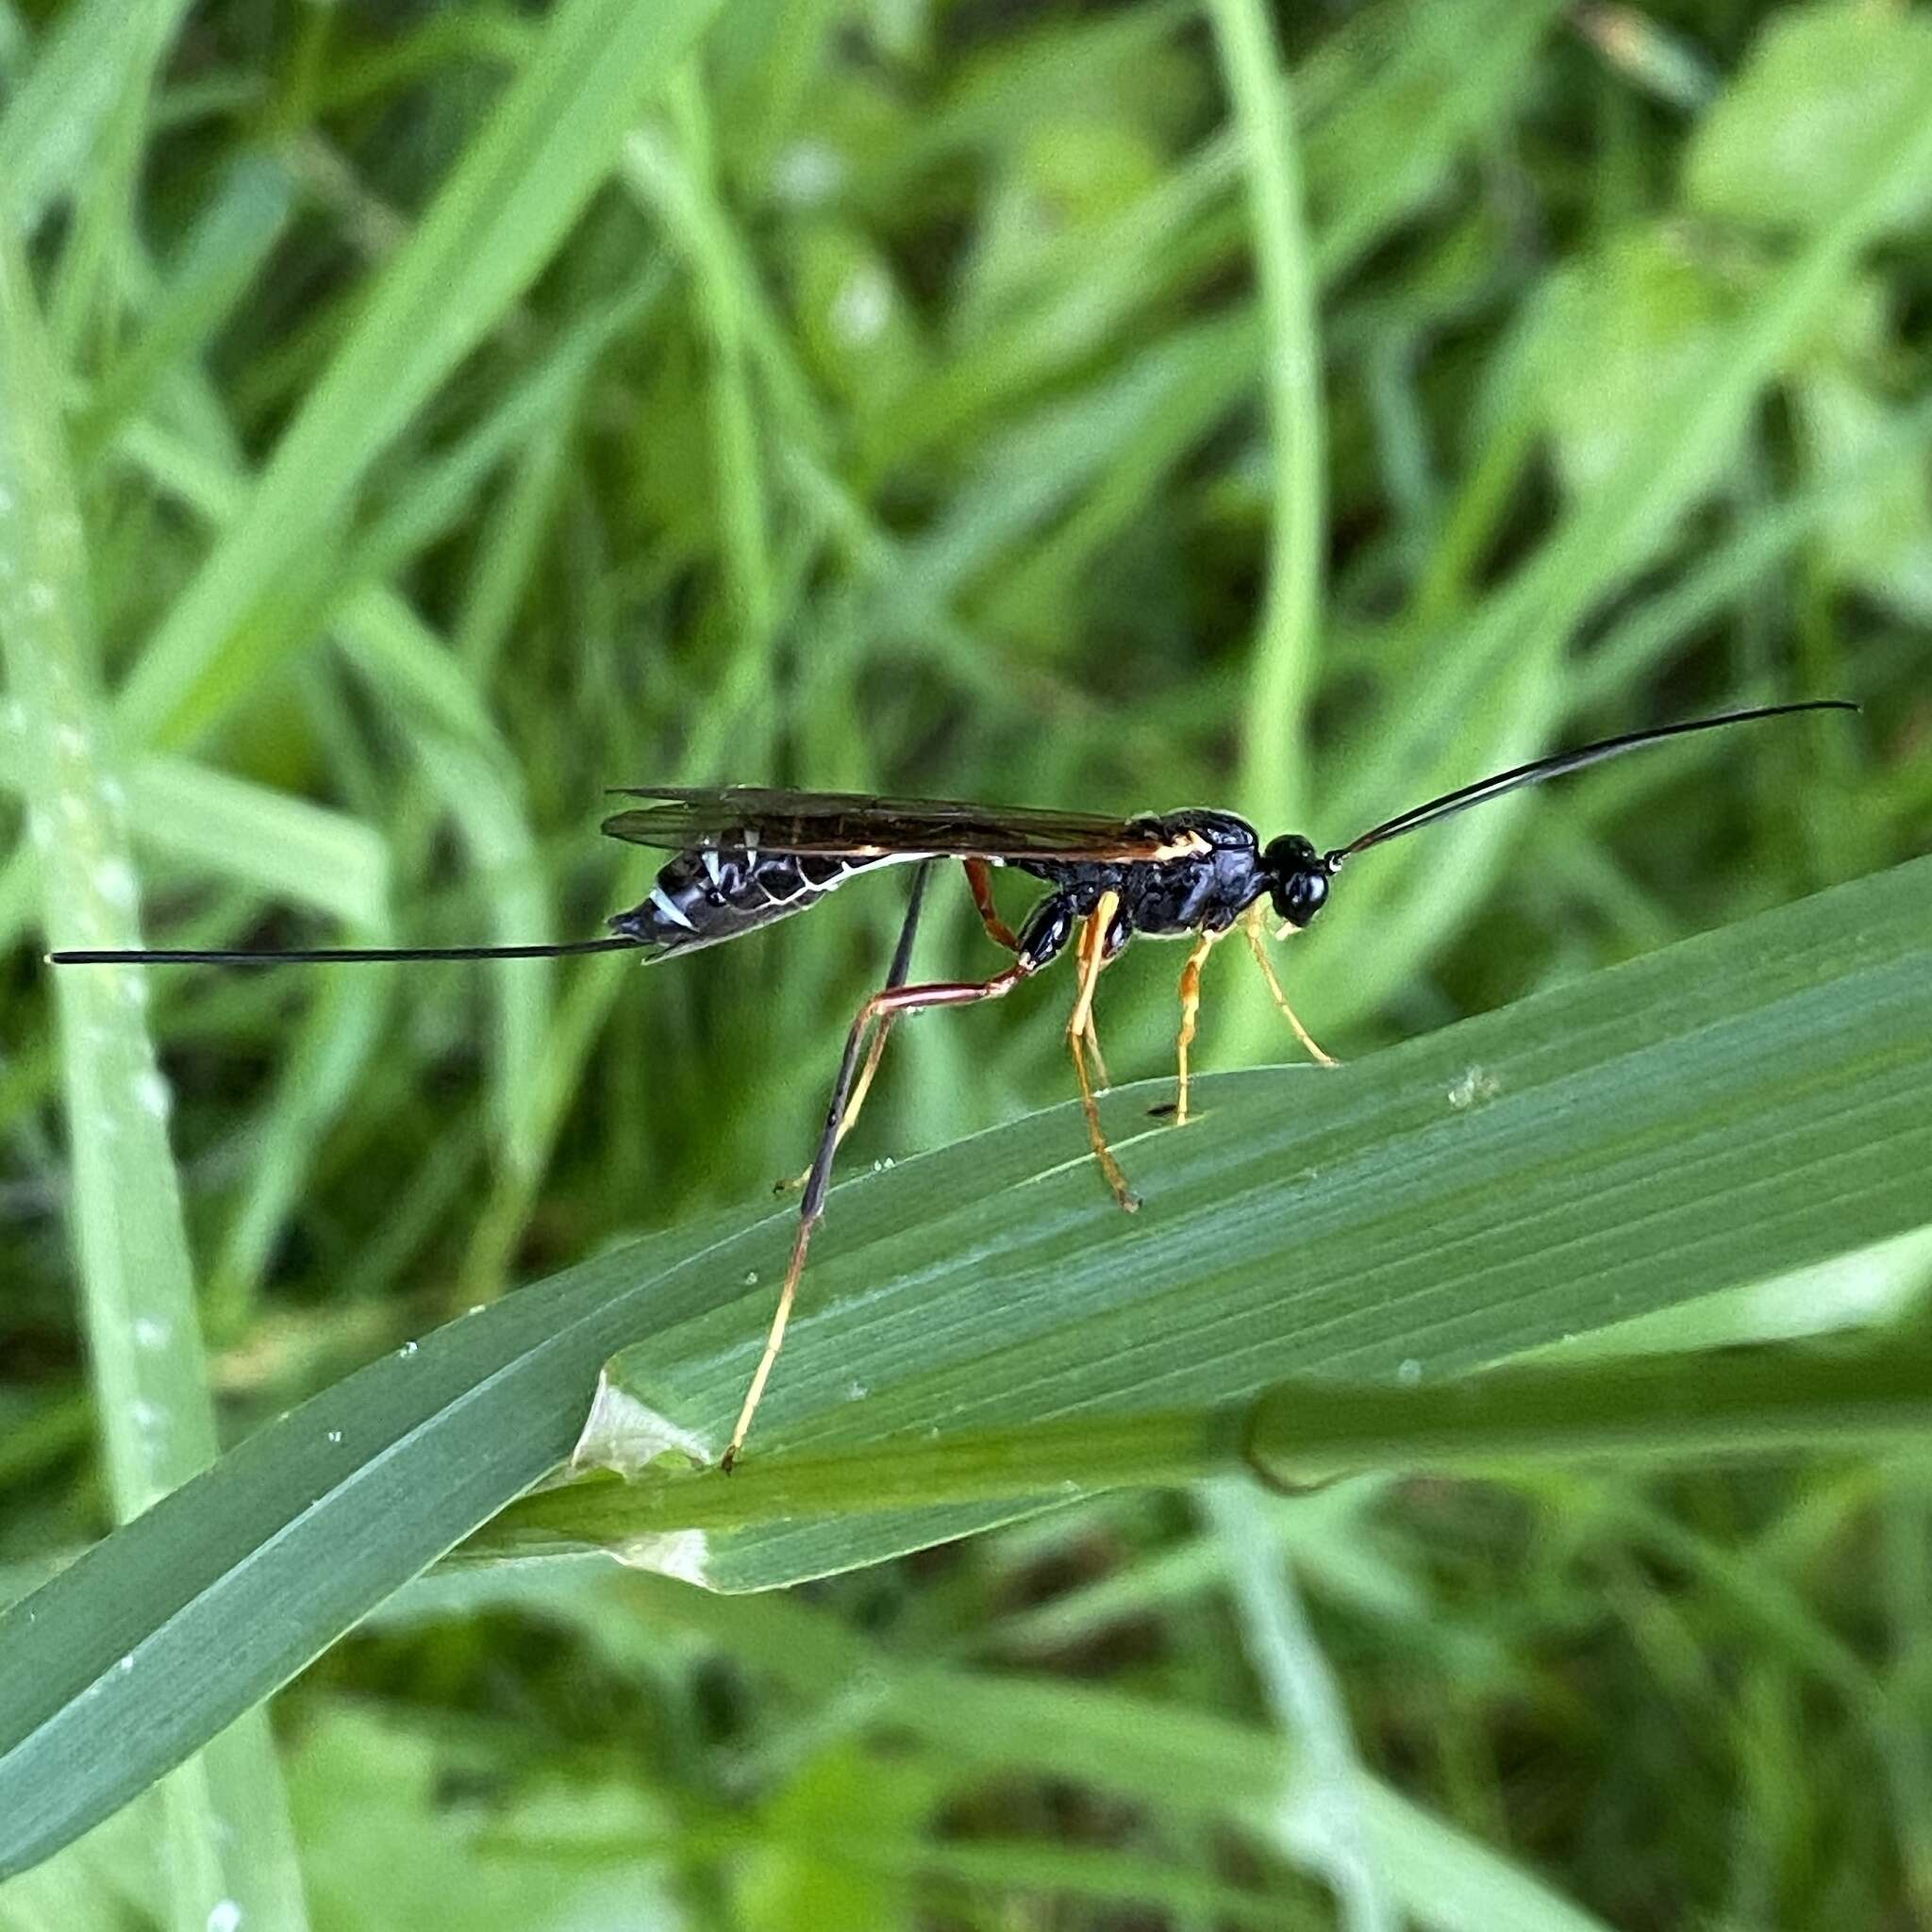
<point x="746" y="856"/>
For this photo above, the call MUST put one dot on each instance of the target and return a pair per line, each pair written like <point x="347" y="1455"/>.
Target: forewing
<point x="860" y="826"/>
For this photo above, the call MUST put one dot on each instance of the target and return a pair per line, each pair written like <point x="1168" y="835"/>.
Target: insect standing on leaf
<point x="747" y="856"/>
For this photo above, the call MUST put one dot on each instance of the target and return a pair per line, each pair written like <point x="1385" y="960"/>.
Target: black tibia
<point x="902" y="954"/>
<point x="880" y="1011"/>
<point x="895" y="976"/>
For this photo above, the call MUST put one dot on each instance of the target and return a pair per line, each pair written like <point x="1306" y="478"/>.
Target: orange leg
<point x="1092" y="957"/>
<point x="1258" y="944"/>
<point x="1102" y="1083"/>
<point x="1092" y="941"/>
<point x="979" y="876"/>
<point x="880" y="1009"/>
<point x="1190" y="1009"/>
<point x="896" y="975"/>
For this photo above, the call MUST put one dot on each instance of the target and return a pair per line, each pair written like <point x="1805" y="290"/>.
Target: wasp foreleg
<point x="1258" y="944"/>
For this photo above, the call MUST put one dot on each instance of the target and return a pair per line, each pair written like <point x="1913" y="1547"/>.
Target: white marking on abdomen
<point x="808" y="889"/>
<point x="670" y="909"/>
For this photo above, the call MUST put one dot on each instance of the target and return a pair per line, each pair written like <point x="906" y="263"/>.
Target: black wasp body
<point x="1205" y="870"/>
<point x="718" y="892"/>
<point x="1217" y="871"/>
<point x="746" y="856"/>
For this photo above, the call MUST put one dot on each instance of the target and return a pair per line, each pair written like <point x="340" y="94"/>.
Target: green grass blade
<point x="1497" y="1187"/>
<point x="463" y="763"/>
<point x="225" y="827"/>
<point x="85" y="67"/>
<point x="1183" y="1764"/>
<point x="1306" y="1429"/>
<point x="228" y="1825"/>
<point x="1530" y="1175"/>
<point x="1515" y="639"/>
<point x="545" y="149"/>
<point x="228" y="247"/>
<point x="1274" y="778"/>
<point x="1321" y="1804"/>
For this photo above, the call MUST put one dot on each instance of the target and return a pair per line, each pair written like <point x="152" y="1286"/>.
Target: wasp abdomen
<point x="715" y="894"/>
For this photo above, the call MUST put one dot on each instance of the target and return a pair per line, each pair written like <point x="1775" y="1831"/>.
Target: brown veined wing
<point x="855" y="825"/>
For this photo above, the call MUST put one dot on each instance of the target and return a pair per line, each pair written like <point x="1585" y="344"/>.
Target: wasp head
<point x="1297" y="877"/>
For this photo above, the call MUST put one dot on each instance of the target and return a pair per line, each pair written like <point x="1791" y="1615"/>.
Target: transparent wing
<point x="855" y="825"/>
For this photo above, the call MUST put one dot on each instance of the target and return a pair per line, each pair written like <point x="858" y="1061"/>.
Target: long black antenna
<point x="1555" y="767"/>
<point x="339" y="956"/>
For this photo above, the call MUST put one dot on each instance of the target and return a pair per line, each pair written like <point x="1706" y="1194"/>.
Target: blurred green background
<point x="467" y="408"/>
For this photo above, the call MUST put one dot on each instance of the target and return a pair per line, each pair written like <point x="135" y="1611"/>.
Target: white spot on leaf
<point x="623" y="1434"/>
<point x="682" y="1553"/>
<point x="1476" y="1085"/>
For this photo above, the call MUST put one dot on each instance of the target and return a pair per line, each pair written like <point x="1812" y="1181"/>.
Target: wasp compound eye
<point x="1300" y="896"/>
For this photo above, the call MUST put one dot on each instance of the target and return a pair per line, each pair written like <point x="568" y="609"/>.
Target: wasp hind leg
<point x="880" y="1010"/>
<point x="979" y="878"/>
<point x="1258" y="944"/>
<point x="1092" y="956"/>
<point x="896" y="975"/>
